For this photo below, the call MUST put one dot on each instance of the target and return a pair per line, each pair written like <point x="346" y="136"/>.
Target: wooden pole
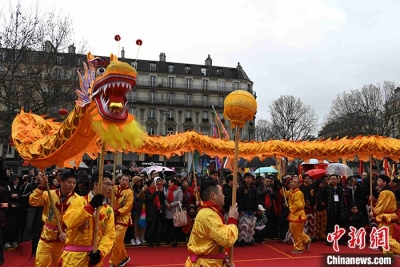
<point x="235" y="166"/>
<point x="195" y="180"/>
<point x="370" y="180"/>
<point x="99" y="190"/>
<point x="53" y="206"/>
<point x="115" y="179"/>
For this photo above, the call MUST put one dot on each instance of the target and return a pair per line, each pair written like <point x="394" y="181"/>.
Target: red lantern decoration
<point x="139" y="42"/>
<point x="63" y="112"/>
<point x="117" y="38"/>
<point x="10" y="141"/>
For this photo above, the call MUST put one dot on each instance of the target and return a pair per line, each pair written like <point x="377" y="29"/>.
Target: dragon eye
<point x="100" y="71"/>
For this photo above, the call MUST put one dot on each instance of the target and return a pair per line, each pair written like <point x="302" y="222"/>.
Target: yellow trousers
<point x="299" y="237"/>
<point x="394" y="245"/>
<point x="48" y="253"/>
<point x="118" y="252"/>
<point x="74" y="259"/>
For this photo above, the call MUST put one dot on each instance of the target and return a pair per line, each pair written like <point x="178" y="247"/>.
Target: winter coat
<point x="178" y="197"/>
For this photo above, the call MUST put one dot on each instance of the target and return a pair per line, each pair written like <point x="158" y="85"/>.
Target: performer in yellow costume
<point x="297" y="217"/>
<point x="122" y="212"/>
<point x="80" y="222"/>
<point x="210" y="236"/>
<point x="385" y="212"/>
<point x="51" y="242"/>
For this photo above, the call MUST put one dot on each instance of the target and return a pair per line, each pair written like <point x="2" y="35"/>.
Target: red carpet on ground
<point x="271" y="252"/>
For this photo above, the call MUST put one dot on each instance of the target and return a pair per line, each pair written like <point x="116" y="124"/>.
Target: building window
<point x="205" y="115"/>
<point x="132" y="111"/>
<point x="188" y="114"/>
<point x="153" y="67"/>
<point x="221" y="85"/>
<point x="171" y="68"/>
<point x="204" y="71"/>
<point x="170" y="130"/>
<point x="171" y="82"/>
<point x="221" y="101"/>
<point x="60" y="59"/>
<point x="220" y="73"/>
<point x="205" y="84"/>
<point x="133" y="96"/>
<point x="170" y="98"/>
<point x="57" y="72"/>
<point x="205" y="100"/>
<point x="188" y="83"/>
<point x="204" y="131"/>
<point x="134" y="64"/>
<point x="151" y="130"/>
<point x="235" y="86"/>
<point x="188" y="70"/>
<point x="170" y="113"/>
<point x="153" y="80"/>
<point x="152" y="113"/>
<point x="2" y="55"/>
<point x="152" y="97"/>
<point x="188" y="100"/>
<point x="79" y="62"/>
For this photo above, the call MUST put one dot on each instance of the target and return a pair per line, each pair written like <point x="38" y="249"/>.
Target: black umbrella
<point x="257" y="163"/>
<point x="110" y="167"/>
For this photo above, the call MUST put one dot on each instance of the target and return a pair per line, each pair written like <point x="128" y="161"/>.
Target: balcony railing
<point x="187" y="86"/>
<point x="176" y="102"/>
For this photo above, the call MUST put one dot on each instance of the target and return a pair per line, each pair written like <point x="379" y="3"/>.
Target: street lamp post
<point x="292" y="123"/>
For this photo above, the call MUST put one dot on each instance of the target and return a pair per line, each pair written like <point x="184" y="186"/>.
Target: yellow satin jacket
<point x="80" y="222"/>
<point x="385" y="209"/>
<point x="40" y="198"/>
<point x="123" y="203"/>
<point x="296" y="206"/>
<point x="210" y="236"/>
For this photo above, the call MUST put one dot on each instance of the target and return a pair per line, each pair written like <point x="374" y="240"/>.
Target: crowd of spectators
<point x="262" y="206"/>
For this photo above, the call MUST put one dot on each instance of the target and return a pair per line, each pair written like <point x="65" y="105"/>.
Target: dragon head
<point x="107" y="83"/>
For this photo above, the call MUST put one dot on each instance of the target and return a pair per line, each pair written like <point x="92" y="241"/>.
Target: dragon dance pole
<point x="235" y="166"/>
<point x="53" y="206"/>
<point x="195" y="180"/>
<point x="370" y="179"/>
<point x="99" y="190"/>
<point x="115" y="179"/>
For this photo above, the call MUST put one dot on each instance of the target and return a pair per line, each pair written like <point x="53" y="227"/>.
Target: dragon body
<point x="100" y="116"/>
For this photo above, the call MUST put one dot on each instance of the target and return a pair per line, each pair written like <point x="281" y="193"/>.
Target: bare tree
<point x="263" y="130"/>
<point x="291" y="118"/>
<point x="367" y="111"/>
<point x="35" y="72"/>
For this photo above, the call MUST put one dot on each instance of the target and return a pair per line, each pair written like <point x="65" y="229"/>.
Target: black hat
<point x="384" y="178"/>
<point x="213" y="172"/>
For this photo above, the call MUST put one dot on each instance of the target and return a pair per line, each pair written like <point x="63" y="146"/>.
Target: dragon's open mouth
<point x="110" y="97"/>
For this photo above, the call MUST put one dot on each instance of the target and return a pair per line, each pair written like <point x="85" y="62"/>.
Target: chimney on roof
<point x="239" y="66"/>
<point x="163" y="57"/>
<point x="208" y="61"/>
<point x="122" y="53"/>
<point x="71" y="49"/>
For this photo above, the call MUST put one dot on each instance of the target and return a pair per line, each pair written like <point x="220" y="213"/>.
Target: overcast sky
<point x="311" y="49"/>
